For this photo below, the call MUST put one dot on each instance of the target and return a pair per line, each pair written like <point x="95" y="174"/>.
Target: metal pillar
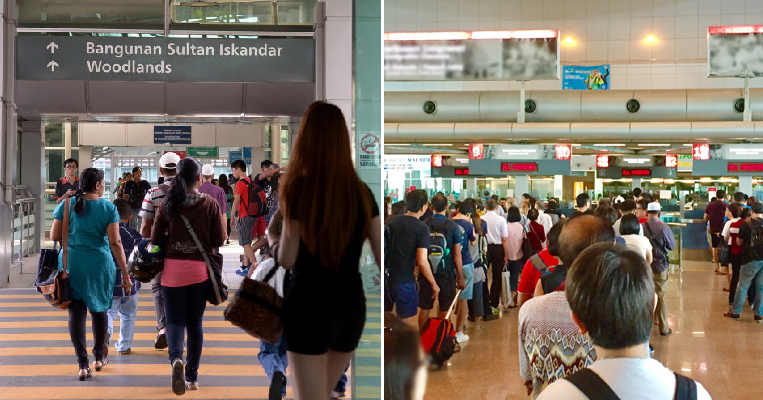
<point x="9" y="136"/>
<point x="521" y="185"/>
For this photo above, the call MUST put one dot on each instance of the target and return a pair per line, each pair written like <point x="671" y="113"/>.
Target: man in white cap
<point x="216" y="192"/>
<point x="662" y="240"/>
<point x="168" y="169"/>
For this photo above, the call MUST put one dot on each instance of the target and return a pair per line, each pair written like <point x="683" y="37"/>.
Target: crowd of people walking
<point x="188" y="217"/>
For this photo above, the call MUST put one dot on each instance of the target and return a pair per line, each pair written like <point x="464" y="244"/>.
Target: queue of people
<point x="580" y="279"/>
<point x="188" y="217"/>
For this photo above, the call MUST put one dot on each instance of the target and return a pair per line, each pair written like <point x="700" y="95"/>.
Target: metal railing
<point x="24" y="238"/>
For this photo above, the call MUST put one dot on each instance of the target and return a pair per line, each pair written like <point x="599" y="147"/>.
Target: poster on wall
<point x="585" y="78"/>
<point x="735" y="50"/>
<point x="407" y="163"/>
<point x="467" y="56"/>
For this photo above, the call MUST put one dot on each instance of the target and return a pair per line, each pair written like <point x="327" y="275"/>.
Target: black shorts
<point x="715" y="239"/>
<point x="447" y="284"/>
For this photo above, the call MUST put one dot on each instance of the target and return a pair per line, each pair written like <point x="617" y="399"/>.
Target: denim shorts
<point x="468" y="292"/>
<point x="405" y="297"/>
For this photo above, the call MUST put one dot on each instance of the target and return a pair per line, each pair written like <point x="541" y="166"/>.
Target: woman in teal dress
<point x="93" y="236"/>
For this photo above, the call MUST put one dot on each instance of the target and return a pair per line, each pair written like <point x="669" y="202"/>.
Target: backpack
<point x="756" y="240"/>
<point x="658" y="248"/>
<point x="484" y="260"/>
<point x="438" y="248"/>
<point x="256" y="201"/>
<point x="595" y="388"/>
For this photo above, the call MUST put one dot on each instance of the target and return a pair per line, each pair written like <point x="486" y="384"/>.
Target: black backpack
<point x="593" y="387"/>
<point x="438" y="247"/>
<point x="756" y="240"/>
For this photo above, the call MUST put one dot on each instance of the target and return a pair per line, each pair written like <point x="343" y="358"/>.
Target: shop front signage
<point x="165" y="59"/>
<point x="407" y="163"/>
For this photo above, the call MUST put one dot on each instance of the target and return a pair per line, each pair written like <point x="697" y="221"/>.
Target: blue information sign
<point x="585" y="78"/>
<point x="172" y="134"/>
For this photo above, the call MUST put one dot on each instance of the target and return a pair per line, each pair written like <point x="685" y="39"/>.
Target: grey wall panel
<point x="659" y="105"/>
<point x="554" y="106"/>
<point x="726" y="130"/>
<point x="204" y="98"/>
<point x="602" y="131"/>
<point x="498" y="106"/>
<point x="665" y="130"/>
<point x="121" y="98"/>
<point x="713" y="105"/>
<point x="50" y="97"/>
<point x="493" y="167"/>
<point x="551" y="130"/>
<point x="280" y="99"/>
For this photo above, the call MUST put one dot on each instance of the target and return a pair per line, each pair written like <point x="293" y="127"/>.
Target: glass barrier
<point x="294" y="12"/>
<point x="147" y="14"/>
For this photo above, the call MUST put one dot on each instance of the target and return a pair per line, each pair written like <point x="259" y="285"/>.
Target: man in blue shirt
<point x="448" y="274"/>
<point x="463" y="219"/>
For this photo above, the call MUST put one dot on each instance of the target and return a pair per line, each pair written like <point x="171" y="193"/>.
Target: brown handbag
<point x="52" y="282"/>
<point x="257" y="309"/>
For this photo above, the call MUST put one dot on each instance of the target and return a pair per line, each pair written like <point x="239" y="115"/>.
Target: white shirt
<point x="497" y="229"/>
<point x="639" y="244"/>
<point x="545" y="220"/>
<point x="629" y="378"/>
<point x="616" y="227"/>
<point x="728" y="230"/>
<point x="276" y="282"/>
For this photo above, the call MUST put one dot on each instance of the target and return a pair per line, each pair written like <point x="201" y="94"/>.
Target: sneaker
<point x="242" y="271"/>
<point x="758" y="319"/>
<point x="462" y="337"/>
<point x="125" y="352"/>
<point x="490" y="317"/>
<point x="495" y="311"/>
<point x="337" y="395"/>
<point x="276" y="386"/>
<point x="161" y="341"/>
<point x="192" y="385"/>
<point x="731" y="315"/>
<point x="178" y="377"/>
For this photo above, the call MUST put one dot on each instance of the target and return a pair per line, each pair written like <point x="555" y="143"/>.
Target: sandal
<point x="98" y="365"/>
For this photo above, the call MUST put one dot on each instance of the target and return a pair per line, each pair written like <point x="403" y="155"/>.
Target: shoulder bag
<point x="257" y="308"/>
<point x="214" y="261"/>
<point x="595" y="388"/>
<point x="52" y="282"/>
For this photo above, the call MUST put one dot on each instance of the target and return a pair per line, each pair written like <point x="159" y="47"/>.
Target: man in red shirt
<point x="641" y="210"/>
<point x="714" y="214"/>
<point x="240" y="218"/>
<point x="539" y="265"/>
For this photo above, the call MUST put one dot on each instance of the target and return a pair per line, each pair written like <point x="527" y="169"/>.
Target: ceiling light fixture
<point x="650" y="39"/>
<point x="569" y="40"/>
<point x="609" y="145"/>
<point x="654" y="145"/>
<point x="437" y="144"/>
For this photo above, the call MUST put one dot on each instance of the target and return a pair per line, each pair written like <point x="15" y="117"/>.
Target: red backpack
<point x="256" y="201"/>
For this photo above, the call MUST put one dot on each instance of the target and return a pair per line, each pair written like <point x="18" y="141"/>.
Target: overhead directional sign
<point x="165" y="59"/>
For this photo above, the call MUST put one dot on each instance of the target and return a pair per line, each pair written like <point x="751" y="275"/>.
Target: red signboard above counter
<point x="519" y="167"/>
<point x="462" y="171"/>
<point x="745" y="167"/>
<point x="637" y="172"/>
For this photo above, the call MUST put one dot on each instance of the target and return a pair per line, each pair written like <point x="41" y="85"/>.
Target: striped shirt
<point x="154" y="199"/>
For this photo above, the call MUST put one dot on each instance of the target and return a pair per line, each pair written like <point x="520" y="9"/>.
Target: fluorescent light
<point x="687" y="145"/>
<point x="654" y="145"/>
<point x="396" y="144"/>
<point x="576" y="145"/>
<point x="437" y="144"/>
<point x="610" y="145"/>
<point x="466" y="35"/>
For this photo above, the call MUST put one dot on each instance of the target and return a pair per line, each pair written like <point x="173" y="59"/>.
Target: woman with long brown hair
<point x="324" y="306"/>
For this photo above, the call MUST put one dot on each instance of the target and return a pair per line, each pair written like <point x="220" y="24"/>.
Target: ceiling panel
<point x="121" y="98"/>
<point x="204" y="98"/>
<point x="50" y="97"/>
<point x="284" y="99"/>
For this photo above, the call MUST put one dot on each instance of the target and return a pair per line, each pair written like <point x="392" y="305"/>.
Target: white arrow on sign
<point x="52" y="46"/>
<point x="53" y="65"/>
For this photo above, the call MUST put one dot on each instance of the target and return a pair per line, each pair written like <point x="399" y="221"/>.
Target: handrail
<point x="679" y="224"/>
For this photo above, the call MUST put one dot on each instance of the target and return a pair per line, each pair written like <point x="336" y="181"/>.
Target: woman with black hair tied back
<point x="185" y="278"/>
<point x="93" y="235"/>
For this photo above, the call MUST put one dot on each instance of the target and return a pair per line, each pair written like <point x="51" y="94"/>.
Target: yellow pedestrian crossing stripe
<point x="38" y="340"/>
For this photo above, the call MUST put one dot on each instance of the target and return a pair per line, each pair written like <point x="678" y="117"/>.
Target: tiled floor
<point x="724" y="355"/>
<point x="37" y="360"/>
